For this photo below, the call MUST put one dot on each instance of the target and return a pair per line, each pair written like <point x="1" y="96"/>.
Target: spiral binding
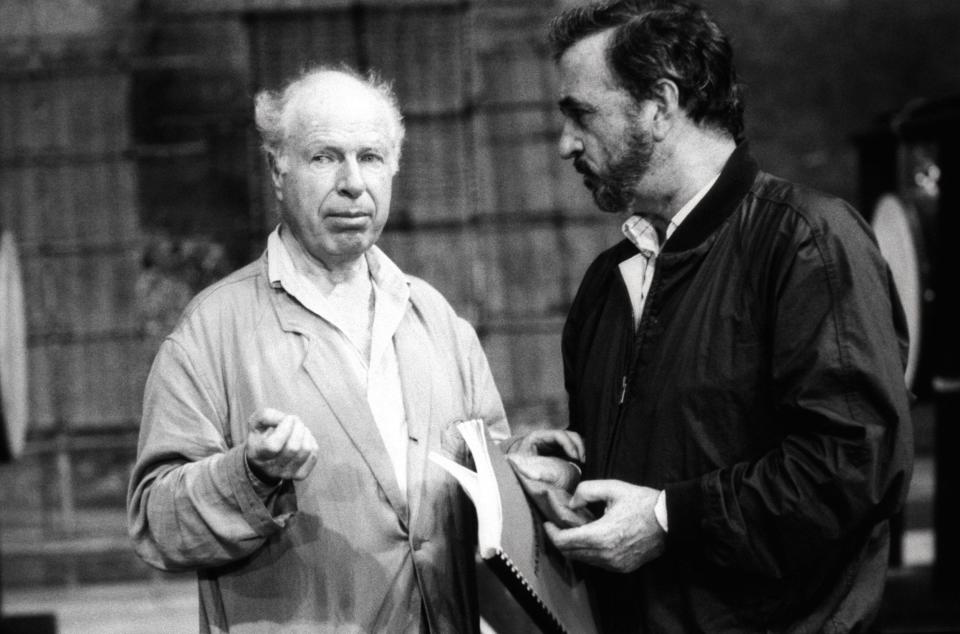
<point x="555" y="626"/>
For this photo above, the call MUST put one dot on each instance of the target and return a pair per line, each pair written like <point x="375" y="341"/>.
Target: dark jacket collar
<point x="734" y="182"/>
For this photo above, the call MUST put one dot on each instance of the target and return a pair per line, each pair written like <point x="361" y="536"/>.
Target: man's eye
<point x="371" y="157"/>
<point x="322" y="158"/>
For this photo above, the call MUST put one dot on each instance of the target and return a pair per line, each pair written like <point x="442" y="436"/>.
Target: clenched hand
<point x="280" y="446"/>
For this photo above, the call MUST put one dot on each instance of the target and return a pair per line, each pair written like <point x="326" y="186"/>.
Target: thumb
<point x="557" y="472"/>
<point x="265" y="418"/>
<point x="526" y="465"/>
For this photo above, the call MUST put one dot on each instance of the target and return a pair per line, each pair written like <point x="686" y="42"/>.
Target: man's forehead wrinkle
<point x="331" y="126"/>
<point x="320" y="137"/>
<point x="326" y="125"/>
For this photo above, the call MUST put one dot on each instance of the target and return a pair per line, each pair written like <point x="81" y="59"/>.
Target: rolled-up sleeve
<point x="190" y="503"/>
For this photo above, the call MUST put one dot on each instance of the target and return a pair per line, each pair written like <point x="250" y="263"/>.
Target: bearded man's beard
<point x="614" y="189"/>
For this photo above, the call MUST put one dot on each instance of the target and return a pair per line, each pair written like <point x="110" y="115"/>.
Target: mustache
<point x="581" y="166"/>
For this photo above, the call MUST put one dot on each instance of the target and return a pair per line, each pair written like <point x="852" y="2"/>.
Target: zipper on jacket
<point x="632" y="363"/>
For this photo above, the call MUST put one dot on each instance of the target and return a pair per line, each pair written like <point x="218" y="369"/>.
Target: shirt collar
<point x="388" y="280"/>
<point x="641" y="232"/>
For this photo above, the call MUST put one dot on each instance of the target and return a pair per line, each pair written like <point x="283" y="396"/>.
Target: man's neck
<point x="326" y="275"/>
<point x="685" y="166"/>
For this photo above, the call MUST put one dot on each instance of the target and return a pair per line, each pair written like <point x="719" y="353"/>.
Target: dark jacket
<point x="764" y="391"/>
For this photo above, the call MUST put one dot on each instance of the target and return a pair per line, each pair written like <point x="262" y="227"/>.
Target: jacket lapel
<point x="329" y="370"/>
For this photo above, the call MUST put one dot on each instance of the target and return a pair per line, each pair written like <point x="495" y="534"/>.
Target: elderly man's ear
<point x="276" y="174"/>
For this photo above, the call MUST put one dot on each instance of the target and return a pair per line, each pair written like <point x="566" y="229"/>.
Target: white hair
<point x="270" y="107"/>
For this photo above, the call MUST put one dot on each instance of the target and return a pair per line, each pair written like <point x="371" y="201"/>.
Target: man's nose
<point x="570" y="144"/>
<point x="350" y="180"/>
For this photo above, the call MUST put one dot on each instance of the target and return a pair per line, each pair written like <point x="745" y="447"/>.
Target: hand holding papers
<point x="549" y="483"/>
<point x="511" y="537"/>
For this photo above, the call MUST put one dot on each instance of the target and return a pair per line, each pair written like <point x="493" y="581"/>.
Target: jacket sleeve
<point x="481" y="398"/>
<point x="839" y="402"/>
<point x="484" y="398"/>
<point x="190" y="503"/>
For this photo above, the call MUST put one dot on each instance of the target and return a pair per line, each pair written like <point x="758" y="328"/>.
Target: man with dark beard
<point x="735" y="366"/>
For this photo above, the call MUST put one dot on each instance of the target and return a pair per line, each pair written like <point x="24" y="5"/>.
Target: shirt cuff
<point x="264" y="515"/>
<point x="263" y="489"/>
<point x="660" y="511"/>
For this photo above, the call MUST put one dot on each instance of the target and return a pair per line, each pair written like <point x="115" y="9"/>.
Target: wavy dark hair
<point x="662" y="39"/>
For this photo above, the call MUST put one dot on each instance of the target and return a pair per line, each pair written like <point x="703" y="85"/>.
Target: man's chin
<point x="606" y="202"/>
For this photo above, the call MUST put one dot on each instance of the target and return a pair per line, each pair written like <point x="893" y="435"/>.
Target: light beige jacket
<point x="341" y="551"/>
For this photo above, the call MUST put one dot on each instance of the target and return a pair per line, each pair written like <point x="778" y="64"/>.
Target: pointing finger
<point x="277" y="436"/>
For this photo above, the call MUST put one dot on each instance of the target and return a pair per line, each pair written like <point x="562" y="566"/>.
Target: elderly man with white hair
<point x="288" y="417"/>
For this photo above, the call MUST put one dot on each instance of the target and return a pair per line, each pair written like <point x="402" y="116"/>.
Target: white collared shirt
<point x="638" y="271"/>
<point x="349" y="314"/>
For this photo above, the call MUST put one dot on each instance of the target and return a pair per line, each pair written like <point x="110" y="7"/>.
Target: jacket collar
<point x="736" y="179"/>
